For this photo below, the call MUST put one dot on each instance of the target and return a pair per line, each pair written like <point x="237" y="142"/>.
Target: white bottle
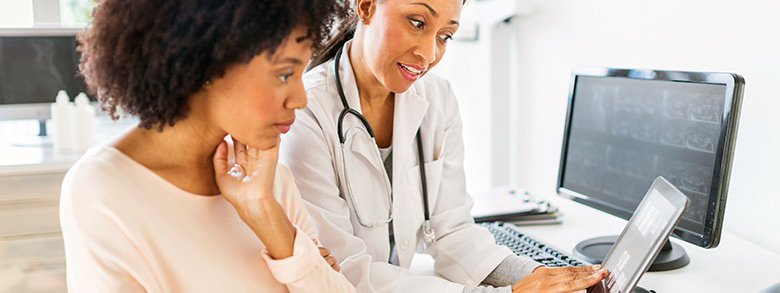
<point x="83" y="123"/>
<point x="61" y="117"/>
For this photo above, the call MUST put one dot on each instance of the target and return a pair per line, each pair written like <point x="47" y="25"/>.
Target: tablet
<point x="643" y="237"/>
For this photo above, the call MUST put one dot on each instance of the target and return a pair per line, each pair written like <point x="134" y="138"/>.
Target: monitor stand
<point x="42" y="128"/>
<point x="41" y="140"/>
<point x="594" y="250"/>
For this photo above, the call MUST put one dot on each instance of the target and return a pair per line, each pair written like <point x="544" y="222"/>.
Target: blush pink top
<point x="128" y="230"/>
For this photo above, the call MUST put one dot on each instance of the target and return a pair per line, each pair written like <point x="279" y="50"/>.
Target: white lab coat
<point x="464" y="252"/>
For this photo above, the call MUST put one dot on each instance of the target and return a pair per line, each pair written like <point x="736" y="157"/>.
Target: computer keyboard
<point x="521" y="244"/>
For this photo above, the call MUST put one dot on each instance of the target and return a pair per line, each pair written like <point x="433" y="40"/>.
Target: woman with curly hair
<point x="170" y="206"/>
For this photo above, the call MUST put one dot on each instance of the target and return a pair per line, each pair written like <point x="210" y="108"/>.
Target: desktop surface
<point x="19" y="155"/>
<point x="736" y="265"/>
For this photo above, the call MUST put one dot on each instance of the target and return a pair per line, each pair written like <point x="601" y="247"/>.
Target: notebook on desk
<point x="512" y="204"/>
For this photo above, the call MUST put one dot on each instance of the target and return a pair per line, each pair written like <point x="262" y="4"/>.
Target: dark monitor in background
<point x="626" y="127"/>
<point x="36" y="63"/>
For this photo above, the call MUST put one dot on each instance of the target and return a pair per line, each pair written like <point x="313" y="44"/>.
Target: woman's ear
<point x="366" y="10"/>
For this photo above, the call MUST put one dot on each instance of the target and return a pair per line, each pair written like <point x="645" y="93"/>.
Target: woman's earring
<point x="207" y="84"/>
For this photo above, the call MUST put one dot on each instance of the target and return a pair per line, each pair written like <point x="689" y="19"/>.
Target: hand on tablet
<point x="562" y="279"/>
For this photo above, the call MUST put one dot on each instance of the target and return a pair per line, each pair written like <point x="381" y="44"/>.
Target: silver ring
<point x="237" y="171"/>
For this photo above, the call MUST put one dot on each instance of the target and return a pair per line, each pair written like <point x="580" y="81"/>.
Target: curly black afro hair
<point x="147" y="57"/>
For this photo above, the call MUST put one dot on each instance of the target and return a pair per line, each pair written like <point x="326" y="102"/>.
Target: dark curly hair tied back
<point x="147" y="57"/>
<point x="344" y="32"/>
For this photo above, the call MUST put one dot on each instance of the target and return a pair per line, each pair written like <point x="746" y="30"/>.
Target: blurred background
<point x="510" y="64"/>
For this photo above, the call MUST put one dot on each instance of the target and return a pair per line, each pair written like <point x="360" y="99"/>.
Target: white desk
<point x="19" y="159"/>
<point x="736" y="265"/>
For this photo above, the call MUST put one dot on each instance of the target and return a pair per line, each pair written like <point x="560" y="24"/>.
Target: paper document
<point x="506" y="200"/>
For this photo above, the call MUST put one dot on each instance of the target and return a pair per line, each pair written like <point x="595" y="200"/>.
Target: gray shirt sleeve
<point x="510" y="270"/>
<point x="507" y="273"/>
<point x="487" y="289"/>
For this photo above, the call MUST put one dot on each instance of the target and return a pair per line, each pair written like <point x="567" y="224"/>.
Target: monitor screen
<point x="34" y="68"/>
<point x="624" y="132"/>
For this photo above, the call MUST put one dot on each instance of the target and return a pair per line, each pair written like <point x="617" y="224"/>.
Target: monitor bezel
<point x="40" y="31"/>
<point x="33" y="111"/>
<point x="710" y="238"/>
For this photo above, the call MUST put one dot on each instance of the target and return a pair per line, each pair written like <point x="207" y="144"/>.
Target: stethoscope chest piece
<point x="429" y="235"/>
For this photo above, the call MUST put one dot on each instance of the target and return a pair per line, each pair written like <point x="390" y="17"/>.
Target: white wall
<point x="693" y="35"/>
<point x="16" y="13"/>
<point x="467" y="72"/>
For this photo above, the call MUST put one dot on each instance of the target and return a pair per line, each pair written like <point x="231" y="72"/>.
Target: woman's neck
<point x="372" y="93"/>
<point x="181" y="154"/>
<point x="377" y="103"/>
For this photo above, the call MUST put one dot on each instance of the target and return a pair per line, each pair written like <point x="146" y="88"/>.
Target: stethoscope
<point x="429" y="236"/>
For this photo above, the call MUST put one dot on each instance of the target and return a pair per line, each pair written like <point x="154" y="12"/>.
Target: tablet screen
<point x="643" y="237"/>
<point x="639" y="239"/>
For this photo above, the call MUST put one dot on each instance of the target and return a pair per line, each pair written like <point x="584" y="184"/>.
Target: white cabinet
<point x="32" y="257"/>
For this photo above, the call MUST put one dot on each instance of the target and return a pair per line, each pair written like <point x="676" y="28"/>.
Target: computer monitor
<point x="36" y="63"/>
<point x="625" y="127"/>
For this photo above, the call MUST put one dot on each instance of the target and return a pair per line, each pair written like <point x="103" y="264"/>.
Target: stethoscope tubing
<point x="348" y="110"/>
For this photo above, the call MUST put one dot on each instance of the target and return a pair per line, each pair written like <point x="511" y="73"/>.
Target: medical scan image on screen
<point x="626" y="132"/>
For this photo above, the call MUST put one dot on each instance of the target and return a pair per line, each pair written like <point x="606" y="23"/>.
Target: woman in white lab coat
<point x="367" y="199"/>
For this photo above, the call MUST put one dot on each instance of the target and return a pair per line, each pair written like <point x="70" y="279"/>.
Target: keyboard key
<point x="522" y="244"/>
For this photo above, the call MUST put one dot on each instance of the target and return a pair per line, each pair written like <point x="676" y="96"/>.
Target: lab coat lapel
<point x="409" y="112"/>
